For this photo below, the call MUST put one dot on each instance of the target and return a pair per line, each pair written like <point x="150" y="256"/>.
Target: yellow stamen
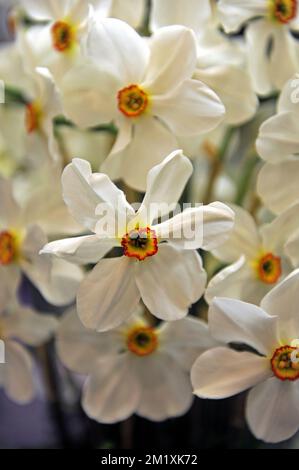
<point x="142" y="340"/>
<point x="132" y="101"/>
<point x="63" y="36"/>
<point x="9" y="248"/>
<point x="140" y="243"/>
<point x="33" y="115"/>
<point x="282" y="11"/>
<point x="268" y="268"/>
<point x="283" y="365"/>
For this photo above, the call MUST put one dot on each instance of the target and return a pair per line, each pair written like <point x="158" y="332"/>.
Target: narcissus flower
<point x="55" y="44"/>
<point x="20" y="327"/>
<point x="147" y="92"/>
<point x="268" y="36"/>
<point x="271" y="369"/>
<point x="137" y="368"/>
<point x="278" y="145"/>
<point x="20" y="242"/>
<point x="159" y="263"/>
<point x="261" y="256"/>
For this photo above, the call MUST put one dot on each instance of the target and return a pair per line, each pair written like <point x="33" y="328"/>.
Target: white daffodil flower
<point x="159" y="263"/>
<point x="21" y="239"/>
<point x="20" y="327"/>
<point x="261" y="256"/>
<point x="194" y="14"/>
<point x="268" y="37"/>
<point x="278" y="145"/>
<point x="56" y="44"/>
<point x="136" y="368"/>
<point x="41" y="100"/>
<point x="272" y="330"/>
<point x="147" y="92"/>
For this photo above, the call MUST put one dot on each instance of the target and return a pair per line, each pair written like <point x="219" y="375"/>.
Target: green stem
<point x="217" y="163"/>
<point x="246" y="178"/>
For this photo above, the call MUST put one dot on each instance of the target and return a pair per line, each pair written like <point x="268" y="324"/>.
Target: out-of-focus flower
<point x="268" y="36"/>
<point x="20" y="242"/>
<point x="159" y="262"/>
<point x="20" y="327"/>
<point x="194" y="14"/>
<point x="56" y="44"/>
<point x="278" y="144"/>
<point x="260" y="256"/>
<point x="272" y="409"/>
<point x="130" y="11"/>
<point x="136" y="368"/>
<point x="215" y="69"/>
<point x="146" y="91"/>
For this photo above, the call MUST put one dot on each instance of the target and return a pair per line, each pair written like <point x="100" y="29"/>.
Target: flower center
<point x="142" y="341"/>
<point x="269" y="268"/>
<point x="140" y="243"/>
<point x="283" y="11"/>
<point x="285" y="363"/>
<point x="63" y="36"/>
<point x="8" y="248"/>
<point x="32" y="117"/>
<point x="132" y="101"/>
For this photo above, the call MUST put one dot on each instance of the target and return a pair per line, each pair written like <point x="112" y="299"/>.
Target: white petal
<point x="112" y="392"/>
<point x="234" y="13"/>
<point x="172" y="59"/>
<point x="243" y="240"/>
<point x="80" y="348"/>
<point x="165" y="185"/>
<point x="10" y="277"/>
<point x="282" y="301"/>
<point x="119" y="51"/>
<point x="78" y="11"/>
<point x="186" y="339"/>
<point x="9" y="209"/>
<point x="233" y="321"/>
<point x="108" y="295"/>
<point x="30" y="327"/>
<point x="62" y="284"/>
<point x="278" y="137"/>
<point x="277" y="233"/>
<point x="277" y="185"/>
<point x="292" y="249"/>
<point x="237" y="281"/>
<point x="89" y="95"/>
<point x="18" y="374"/>
<point x="240" y="102"/>
<point x="191" y="109"/>
<point x="171" y="281"/>
<point x="83" y="192"/>
<point x="189" y="14"/>
<point x="284" y="50"/>
<point x="166" y="390"/>
<point x="150" y="143"/>
<point x="203" y="227"/>
<point x="288" y="98"/>
<point x="222" y="372"/>
<point x="258" y="35"/>
<point x="273" y="410"/>
<point x="81" y="250"/>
